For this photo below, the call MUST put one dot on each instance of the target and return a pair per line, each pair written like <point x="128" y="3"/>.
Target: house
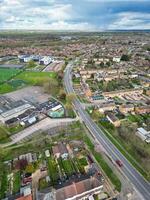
<point x="142" y="109"/>
<point x="126" y="108"/>
<point x="116" y="59"/>
<point x="25" y="193"/>
<point x="29" y="157"/>
<point x="28" y="197"/>
<point x="113" y="119"/>
<point x="123" y="92"/>
<point x="106" y="107"/>
<point x="143" y="134"/>
<point x="148" y="92"/>
<point x="76" y="190"/>
<point x="88" y="92"/>
<point x="60" y="150"/>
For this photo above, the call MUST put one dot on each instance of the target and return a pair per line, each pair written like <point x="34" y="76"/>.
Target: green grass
<point x="7" y="74"/>
<point x="16" y="182"/>
<point x="83" y="161"/>
<point x="113" y="178"/>
<point x="118" y="144"/>
<point x="5" y="88"/>
<point x="3" y="134"/>
<point x="3" y="184"/>
<point x="68" y="167"/>
<point x="52" y="168"/>
<point x="36" y="78"/>
<point x="80" y="165"/>
<point x="43" y="184"/>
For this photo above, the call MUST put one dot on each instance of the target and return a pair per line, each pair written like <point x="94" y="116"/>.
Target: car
<point x="119" y="163"/>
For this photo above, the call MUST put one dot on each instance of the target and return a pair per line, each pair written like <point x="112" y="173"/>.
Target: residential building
<point x="123" y="92"/>
<point x="126" y="108"/>
<point x="113" y="119"/>
<point x="83" y="189"/>
<point x="142" y="109"/>
<point x="116" y="59"/>
<point x="106" y="107"/>
<point x="60" y="150"/>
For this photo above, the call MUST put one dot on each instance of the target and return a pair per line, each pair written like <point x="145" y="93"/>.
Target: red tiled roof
<point x="28" y="197"/>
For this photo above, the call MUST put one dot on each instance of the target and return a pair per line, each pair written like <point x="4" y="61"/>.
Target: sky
<point x="75" y="15"/>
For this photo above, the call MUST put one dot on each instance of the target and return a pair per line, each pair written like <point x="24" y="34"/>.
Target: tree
<point x="96" y="115"/>
<point x="51" y="86"/>
<point x="70" y="98"/>
<point x="31" y="64"/>
<point x="101" y="64"/>
<point x="62" y="95"/>
<point x="21" y="164"/>
<point x="125" y="57"/>
<point x="29" y="168"/>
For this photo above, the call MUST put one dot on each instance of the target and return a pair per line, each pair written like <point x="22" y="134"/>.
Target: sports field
<point x="7" y="74"/>
<point x="35" y="78"/>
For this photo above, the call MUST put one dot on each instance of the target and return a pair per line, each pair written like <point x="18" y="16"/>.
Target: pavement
<point x="134" y="177"/>
<point x="42" y="125"/>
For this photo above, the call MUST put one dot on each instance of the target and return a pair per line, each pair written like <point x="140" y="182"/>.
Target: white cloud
<point x="12" y="19"/>
<point x="58" y="25"/>
<point x="131" y="20"/>
<point x="55" y="12"/>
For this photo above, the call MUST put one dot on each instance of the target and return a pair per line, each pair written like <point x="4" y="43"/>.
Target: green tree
<point x="31" y="64"/>
<point x="62" y="95"/>
<point x="51" y="86"/>
<point x="125" y="57"/>
<point x="29" y="168"/>
<point x="70" y="98"/>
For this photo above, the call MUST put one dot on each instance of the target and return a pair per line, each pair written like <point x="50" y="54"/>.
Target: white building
<point x="116" y="59"/>
<point x="14" y="112"/>
<point x="45" y="60"/>
<point x="143" y="134"/>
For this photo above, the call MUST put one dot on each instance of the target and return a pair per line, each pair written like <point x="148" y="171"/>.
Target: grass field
<point x="35" y="78"/>
<point x="18" y="80"/>
<point x="7" y="74"/>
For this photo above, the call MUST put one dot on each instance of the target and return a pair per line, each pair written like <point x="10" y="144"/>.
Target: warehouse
<point x="11" y="109"/>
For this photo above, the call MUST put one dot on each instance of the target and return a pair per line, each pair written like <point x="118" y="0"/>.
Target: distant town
<point x="74" y="115"/>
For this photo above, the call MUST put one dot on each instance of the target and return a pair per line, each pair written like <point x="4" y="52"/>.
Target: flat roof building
<point x="143" y="134"/>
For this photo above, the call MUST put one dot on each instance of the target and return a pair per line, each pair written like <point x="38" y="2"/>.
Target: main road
<point x="136" y="179"/>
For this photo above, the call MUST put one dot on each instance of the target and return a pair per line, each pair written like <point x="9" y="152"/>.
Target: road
<point x="136" y="179"/>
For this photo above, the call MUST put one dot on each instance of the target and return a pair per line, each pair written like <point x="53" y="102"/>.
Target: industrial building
<point x="43" y="60"/>
<point x="10" y="109"/>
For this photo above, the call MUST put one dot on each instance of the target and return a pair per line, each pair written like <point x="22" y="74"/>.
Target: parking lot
<point x="33" y="94"/>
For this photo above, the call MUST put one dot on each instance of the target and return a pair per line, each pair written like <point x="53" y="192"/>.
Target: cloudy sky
<point x="84" y="15"/>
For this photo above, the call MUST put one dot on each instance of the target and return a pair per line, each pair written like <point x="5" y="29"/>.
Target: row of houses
<point x="84" y="189"/>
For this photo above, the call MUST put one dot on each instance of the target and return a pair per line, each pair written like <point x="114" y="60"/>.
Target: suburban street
<point x="137" y="180"/>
